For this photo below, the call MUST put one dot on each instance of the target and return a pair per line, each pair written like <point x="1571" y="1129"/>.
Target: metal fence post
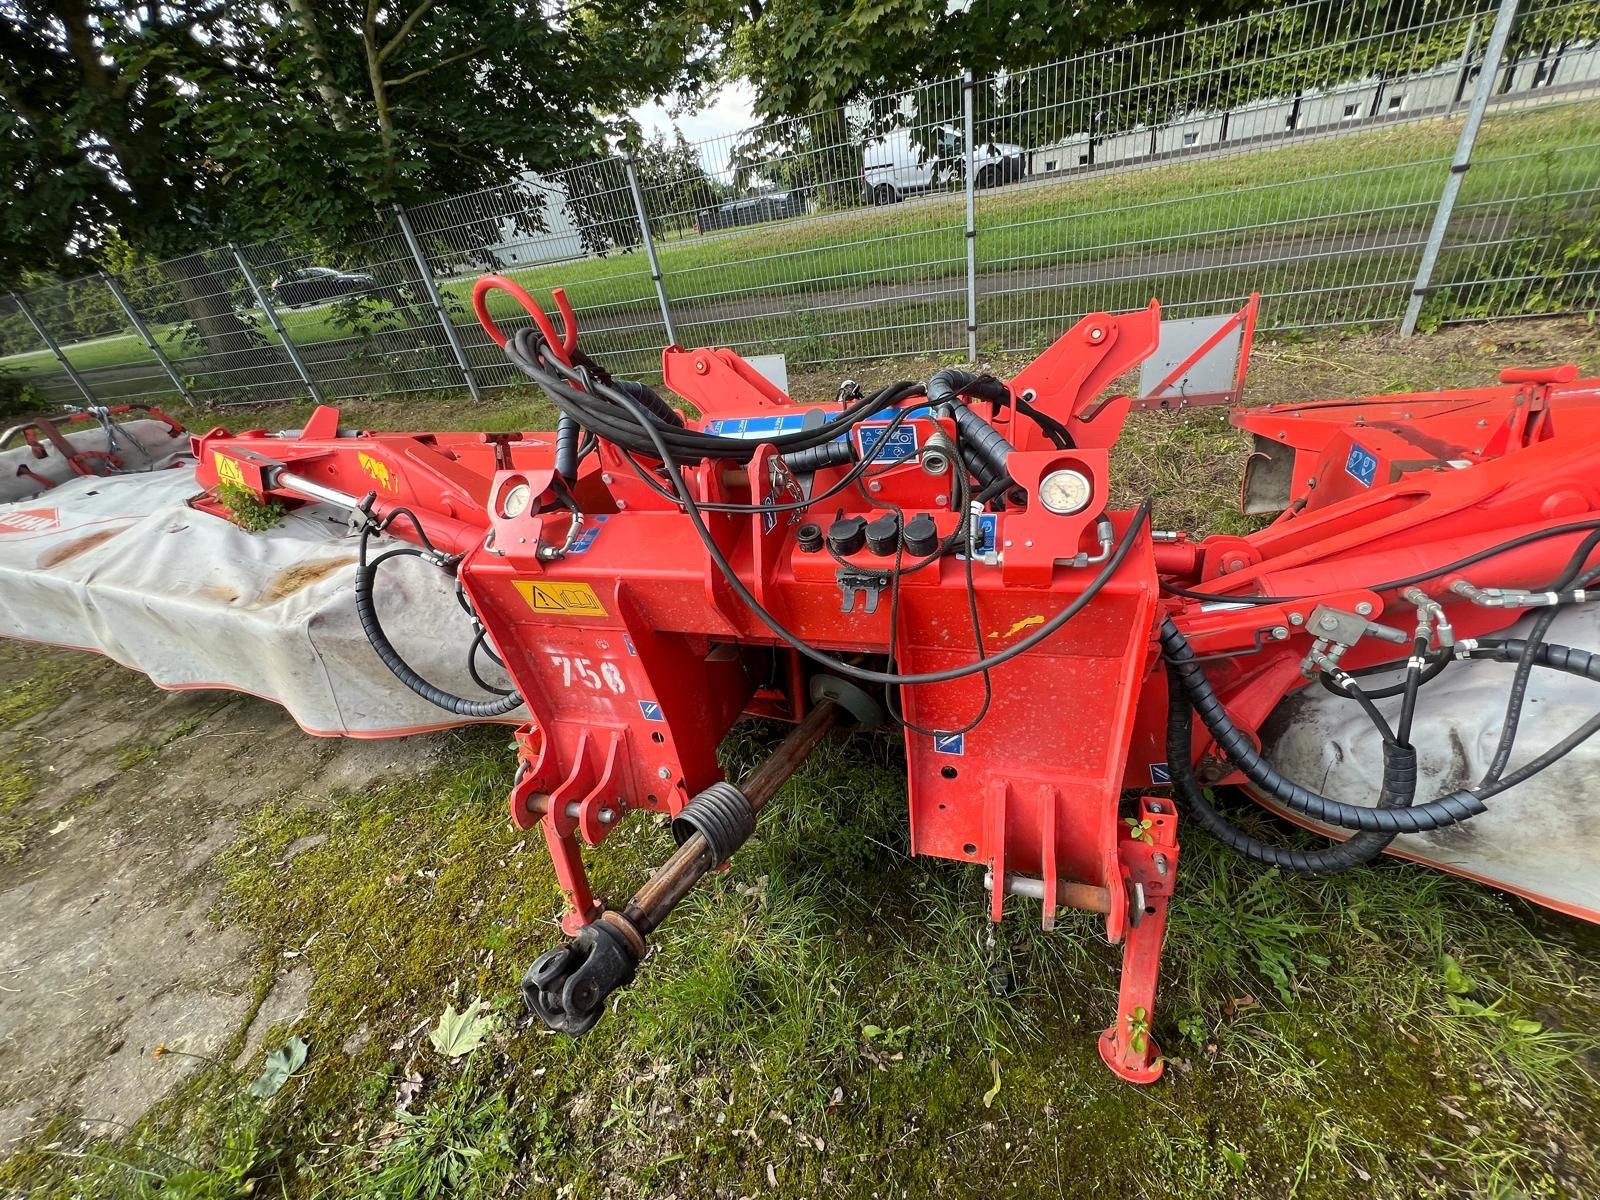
<point x="143" y="331"/>
<point x="1487" y="75"/>
<point x="436" y="299"/>
<point x="289" y="347"/>
<point x="649" y="246"/>
<point x="967" y="87"/>
<point x="38" y="327"/>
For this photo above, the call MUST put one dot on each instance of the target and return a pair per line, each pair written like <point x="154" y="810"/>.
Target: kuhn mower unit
<point x="945" y="556"/>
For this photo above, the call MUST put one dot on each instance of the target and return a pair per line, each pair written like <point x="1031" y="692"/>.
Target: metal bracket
<point x="869" y="584"/>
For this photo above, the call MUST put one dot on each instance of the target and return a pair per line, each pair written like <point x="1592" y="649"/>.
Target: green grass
<point x="1315" y="189"/>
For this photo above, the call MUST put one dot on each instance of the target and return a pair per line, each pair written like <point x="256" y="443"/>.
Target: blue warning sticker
<point x="949" y="743"/>
<point x="902" y="443"/>
<point x="988" y="524"/>
<point x="1160" y="774"/>
<point x="586" y="537"/>
<point x="1361" y="465"/>
<point x="651" y="710"/>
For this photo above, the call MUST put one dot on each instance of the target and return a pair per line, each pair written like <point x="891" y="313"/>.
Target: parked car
<point x="309" y="285"/>
<point x="751" y="210"/>
<point x="897" y="163"/>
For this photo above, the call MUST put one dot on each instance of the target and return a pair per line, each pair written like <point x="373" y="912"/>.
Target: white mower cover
<point x="141" y="444"/>
<point x="123" y="566"/>
<point x="1540" y="839"/>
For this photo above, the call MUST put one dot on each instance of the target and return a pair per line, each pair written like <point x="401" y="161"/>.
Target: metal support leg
<point x="1149" y="858"/>
<point x="970" y="151"/>
<point x="650" y="248"/>
<point x="289" y="347"/>
<point x="434" y="298"/>
<point x="1460" y="164"/>
<point x="44" y="334"/>
<point x="143" y="331"/>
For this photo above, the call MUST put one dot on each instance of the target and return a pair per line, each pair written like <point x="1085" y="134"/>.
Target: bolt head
<point x="1280" y="632"/>
<point x="663" y="772"/>
<point x="1329" y="622"/>
<point x="1364" y="609"/>
<point x="605" y="477"/>
<point x="1296" y="619"/>
<point x="606" y="816"/>
<point x="621" y="504"/>
<point x="1097" y="334"/>
<point x="875" y="487"/>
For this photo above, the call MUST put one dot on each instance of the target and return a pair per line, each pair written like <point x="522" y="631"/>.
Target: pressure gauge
<point x="514" y="500"/>
<point x="1066" y="491"/>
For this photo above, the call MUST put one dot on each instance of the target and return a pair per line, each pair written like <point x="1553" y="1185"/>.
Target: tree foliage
<point x="192" y="122"/>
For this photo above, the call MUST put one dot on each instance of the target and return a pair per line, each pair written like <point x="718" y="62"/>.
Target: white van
<point x="896" y="164"/>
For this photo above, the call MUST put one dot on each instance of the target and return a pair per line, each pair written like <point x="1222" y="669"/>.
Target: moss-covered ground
<point x="818" y="1020"/>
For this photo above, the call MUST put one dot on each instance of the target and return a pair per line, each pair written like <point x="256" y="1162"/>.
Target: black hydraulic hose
<point x="367" y="611"/>
<point x="1399" y="764"/>
<point x="1436" y="665"/>
<point x="608" y="410"/>
<point x="1353" y="852"/>
<point x="1413" y="682"/>
<point x="1519" y="681"/>
<point x="944" y="387"/>
<point x="647" y="396"/>
<point x="691" y="508"/>
<point x="567" y="448"/>
<point x="1556" y="657"/>
<point x="984" y="448"/>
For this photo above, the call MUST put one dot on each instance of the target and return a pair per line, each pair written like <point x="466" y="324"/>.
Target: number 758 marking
<point x="577" y="672"/>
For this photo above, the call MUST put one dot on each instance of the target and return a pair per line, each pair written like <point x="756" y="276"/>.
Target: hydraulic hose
<point x="1358" y="849"/>
<point x="1399" y="764"/>
<point x="567" y="449"/>
<point x="367" y="611"/>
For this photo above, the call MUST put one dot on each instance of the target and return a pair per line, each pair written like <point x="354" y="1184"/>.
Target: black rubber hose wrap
<point x="1399" y="764"/>
<point x="390" y="657"/>
<point x="567" y="448"/>
<point x="1353" y="852"/>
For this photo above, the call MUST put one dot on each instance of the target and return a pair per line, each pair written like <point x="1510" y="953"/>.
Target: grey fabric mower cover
<point x="123" y="566"/>
<point x="1539" y="839"/>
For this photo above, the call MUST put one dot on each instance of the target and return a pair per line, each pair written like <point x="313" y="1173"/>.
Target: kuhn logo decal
<point x="381" y="473"/>
<point x="30" y="520"/>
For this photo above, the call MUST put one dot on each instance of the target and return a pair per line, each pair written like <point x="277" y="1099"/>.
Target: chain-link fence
<point x="1386" y="166"/>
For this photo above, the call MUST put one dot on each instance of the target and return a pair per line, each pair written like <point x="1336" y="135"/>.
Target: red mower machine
<point x="944" y="556"/>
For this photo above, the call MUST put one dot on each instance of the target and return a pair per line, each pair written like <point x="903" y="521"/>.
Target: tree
<point x="187" y="123"/>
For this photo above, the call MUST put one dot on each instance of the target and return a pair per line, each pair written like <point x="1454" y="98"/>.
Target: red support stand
<point x="1148" y="852"/>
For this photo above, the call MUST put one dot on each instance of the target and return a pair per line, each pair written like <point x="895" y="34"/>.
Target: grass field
<point x="816" y="1023"/>
<point x="758" y="284"/>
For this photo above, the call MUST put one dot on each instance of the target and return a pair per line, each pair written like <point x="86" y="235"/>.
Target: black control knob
<point x="809" y="537"/>
<point x="921" y="536"/>
<point x="883" y="534"/>
<point x="847" y="535"/>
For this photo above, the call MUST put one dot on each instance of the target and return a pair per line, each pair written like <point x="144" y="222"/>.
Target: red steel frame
<point x="634" y="657"/>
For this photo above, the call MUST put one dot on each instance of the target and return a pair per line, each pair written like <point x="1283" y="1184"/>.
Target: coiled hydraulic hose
<point x="367" y="611"/>
<point x="1399" y="764"/>
<point x="1353" y="852"/>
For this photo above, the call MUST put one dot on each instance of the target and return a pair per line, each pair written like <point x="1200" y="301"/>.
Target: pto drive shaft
<point x="568" y="986"/>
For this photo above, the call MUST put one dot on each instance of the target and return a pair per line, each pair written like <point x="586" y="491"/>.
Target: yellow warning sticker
<point x="380" y="472"/>
<point x="228" y="471"/>
<point x="561" y="599"/>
